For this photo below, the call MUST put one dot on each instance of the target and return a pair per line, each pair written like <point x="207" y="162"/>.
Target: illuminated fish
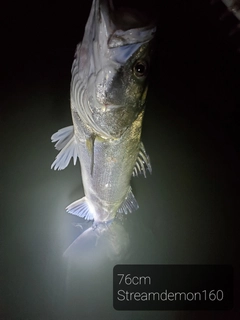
<point x="108" y="93"/>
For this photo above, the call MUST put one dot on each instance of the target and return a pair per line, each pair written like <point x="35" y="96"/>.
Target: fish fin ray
<point x="81" y="209"/>
<point x="70" y="150"/>
<point x="130" y="203"/>
<point x="142" y="163"/>
<point x="62" y="136"/>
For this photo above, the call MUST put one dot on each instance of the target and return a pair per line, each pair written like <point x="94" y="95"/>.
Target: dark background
<point x="189" y="207"/>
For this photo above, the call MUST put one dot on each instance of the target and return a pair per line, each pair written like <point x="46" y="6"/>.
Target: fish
<point x="233" y="6"/>
<point x="232" y="9"/>
<point x="108" y="93"/>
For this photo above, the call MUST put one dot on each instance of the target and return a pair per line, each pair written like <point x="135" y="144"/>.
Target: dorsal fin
<point x="130" y="203"/>
<point x="142" y="163"/>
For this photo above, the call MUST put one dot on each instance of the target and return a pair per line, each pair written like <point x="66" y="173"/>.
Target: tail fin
<point x="105" y="242"/>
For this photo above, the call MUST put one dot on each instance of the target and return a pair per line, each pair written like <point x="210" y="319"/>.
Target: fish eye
<point x="140" y="69"/>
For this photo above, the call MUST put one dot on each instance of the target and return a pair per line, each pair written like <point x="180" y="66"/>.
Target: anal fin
<point x="142" y="163"/>
<point x="81" y="209"/>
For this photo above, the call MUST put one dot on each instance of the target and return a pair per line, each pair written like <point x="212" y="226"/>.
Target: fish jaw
<point x="106" y="92"/>
<point x="105" y="30"/>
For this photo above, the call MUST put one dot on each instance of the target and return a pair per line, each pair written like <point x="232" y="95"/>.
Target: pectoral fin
<point x="142" y="163"/>
<point x="62" y="136"/>
<point x="67" y="143"/>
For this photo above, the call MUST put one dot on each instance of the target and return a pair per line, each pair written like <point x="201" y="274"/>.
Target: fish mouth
<point x="117" y="27"/>
<point x="108" y="44"/>
<point x="125" y="26"/>
<point x="106" y="32"/>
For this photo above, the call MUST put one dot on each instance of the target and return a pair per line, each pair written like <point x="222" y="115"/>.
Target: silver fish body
<point x="108" y="92"/>
<point x="107" y="181"/>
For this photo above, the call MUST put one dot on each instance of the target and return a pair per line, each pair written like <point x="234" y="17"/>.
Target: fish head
<point x="113" y="64"/>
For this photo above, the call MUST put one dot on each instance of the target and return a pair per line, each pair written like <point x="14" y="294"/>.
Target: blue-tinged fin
<point x="62" y="136"/>
<point x="142" y="163"/>
<point x="67" y="143"/>
<point x="130" y="203"/>
<point x="81" y="209"/>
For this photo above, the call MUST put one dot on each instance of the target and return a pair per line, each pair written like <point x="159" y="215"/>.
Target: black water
<point x="189" y="206"/>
